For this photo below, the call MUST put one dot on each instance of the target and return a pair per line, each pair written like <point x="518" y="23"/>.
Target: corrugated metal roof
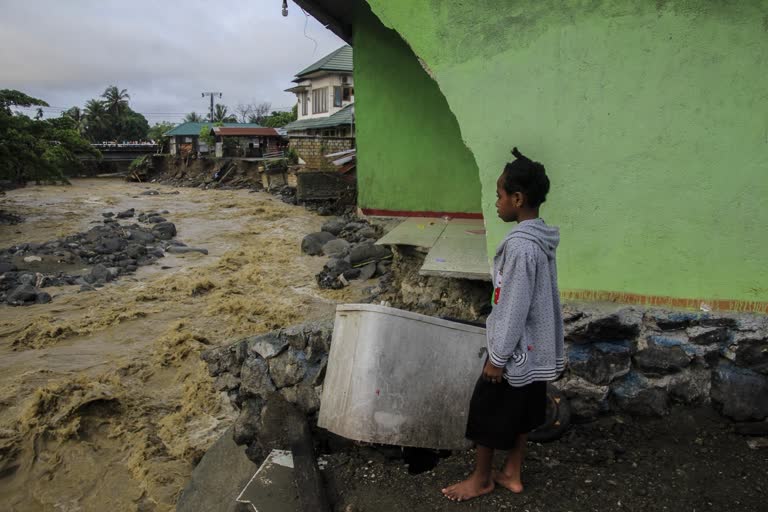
<point x="193" y="129"/>
<point x="235" y="131"/>
<point x="343" y="116"/>
<point x="339" y="60"/>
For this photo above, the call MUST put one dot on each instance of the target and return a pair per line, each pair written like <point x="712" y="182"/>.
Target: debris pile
<point x="352" y="251"/>
<point x="90" y="259"/>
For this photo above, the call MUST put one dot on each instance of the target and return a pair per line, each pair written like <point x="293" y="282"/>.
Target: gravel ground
<point x="691" y="460"/>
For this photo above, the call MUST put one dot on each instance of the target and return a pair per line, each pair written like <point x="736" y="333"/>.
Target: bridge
<point x="114" y="152"/>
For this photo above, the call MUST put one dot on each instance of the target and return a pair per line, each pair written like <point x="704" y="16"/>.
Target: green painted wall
<point x="651" y="118"/>
<point x="411" y="156"/>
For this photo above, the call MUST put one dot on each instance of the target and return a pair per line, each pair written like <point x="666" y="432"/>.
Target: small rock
<point x="334" y="226"/>
<point x="662" y="355"/>
<point x="368" y="271"/>
<point x="255" y="379"/>
<point x="173" y="249"/>
<point x="268" y="345"/>
<point x="126" y="214"/>
<point x="637" y="395"/>
<point x="98" y="274"/>
<point x="707" y="335"/>
<point x="337" y="248"/>
<point x="164" y="230"/>
<point x="6" y="266"/>
<point x="313" y="243"/>
<point x="365" y="253"/>
<point x="739" y="393"/>
<point x="288" y="368"/>
<point x="246" y="427"/>
<point x="22" y="295"/>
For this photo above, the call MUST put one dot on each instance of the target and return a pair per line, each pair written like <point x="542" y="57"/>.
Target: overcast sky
<point x="165" y="52"/>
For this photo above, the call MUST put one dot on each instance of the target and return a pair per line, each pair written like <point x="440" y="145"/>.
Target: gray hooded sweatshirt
<point x="525" y="328"/>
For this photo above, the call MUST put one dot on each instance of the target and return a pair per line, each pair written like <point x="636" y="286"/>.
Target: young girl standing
<point x="524" y="334"/>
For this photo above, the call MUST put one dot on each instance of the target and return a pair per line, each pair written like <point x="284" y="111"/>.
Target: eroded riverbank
<point x="107" y="405"/>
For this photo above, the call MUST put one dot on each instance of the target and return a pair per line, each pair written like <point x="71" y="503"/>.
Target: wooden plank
<point x="459" y="252"/>
<point x="418" y="231"/>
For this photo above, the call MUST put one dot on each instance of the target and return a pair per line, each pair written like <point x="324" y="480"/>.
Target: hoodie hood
<point x="537" y="231"/>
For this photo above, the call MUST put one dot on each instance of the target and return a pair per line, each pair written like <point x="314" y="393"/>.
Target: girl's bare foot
<point x="470" y="488"/>
<point x="508" y="482"/>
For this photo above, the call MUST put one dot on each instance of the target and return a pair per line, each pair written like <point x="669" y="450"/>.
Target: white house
<point x="325" y="92"/>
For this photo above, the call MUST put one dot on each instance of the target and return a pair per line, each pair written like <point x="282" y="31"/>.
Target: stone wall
<point x="643" y="361"/>
<point x="312" y="149"/>
<point x="621" y="359"/>
<point x="287" y="364"/>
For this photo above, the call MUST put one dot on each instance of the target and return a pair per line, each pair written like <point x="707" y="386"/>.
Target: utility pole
<point x="211" y="94"/>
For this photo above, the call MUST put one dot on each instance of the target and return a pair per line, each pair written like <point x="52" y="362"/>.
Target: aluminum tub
<point x="400" y="378"/>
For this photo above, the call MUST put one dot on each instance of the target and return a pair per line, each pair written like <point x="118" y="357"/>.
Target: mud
<point x="105" y="403"/>
<point x="689" y="461"/>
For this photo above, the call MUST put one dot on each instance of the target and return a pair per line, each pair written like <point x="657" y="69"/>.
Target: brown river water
<point x="104" y="401"/>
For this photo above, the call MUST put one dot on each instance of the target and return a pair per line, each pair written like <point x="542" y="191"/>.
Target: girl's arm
<point x="514" y="301"/>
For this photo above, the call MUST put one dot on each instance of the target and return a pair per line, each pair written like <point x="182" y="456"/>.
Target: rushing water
<point x="104" y="402"/>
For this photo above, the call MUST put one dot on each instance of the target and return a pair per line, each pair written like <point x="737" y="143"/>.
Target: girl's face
<point x="507" y="205"/>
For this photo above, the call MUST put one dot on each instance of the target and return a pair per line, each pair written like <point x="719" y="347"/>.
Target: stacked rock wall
<point x="628" y="360"/>
<point x="644" y="361"/>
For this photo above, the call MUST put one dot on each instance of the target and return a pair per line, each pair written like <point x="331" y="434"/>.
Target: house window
<point x="348" y="93"/>
<point x="337" y="96"/>
<point x="320" y="100"/>
<point x="304" y="100"/>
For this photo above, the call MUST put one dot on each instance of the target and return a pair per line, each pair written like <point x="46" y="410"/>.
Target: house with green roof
<point x="325" y="94"/>
<point x="185" y="138"/>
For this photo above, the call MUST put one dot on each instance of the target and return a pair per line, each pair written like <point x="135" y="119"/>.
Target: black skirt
<point x="498" y="412"/>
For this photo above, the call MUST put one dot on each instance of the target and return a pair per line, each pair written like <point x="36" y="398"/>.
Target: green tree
<point x="78" y="117"/>
<point x="279" y="119"/>
<point x="193" y="117"/>
<point x="131" y="126"/>
<point x="115" y="100"/>
<point x="157" y="134"/>
<point x="207" y="137"/>
<point x="96" y="121"/>
<point x="158" y="131"/>
<point x="220" y="114"/>
<point x="44" y="149"/>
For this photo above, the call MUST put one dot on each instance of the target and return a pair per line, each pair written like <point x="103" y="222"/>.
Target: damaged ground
<point x="689" y="461"/>
<point x="106" y="404"/>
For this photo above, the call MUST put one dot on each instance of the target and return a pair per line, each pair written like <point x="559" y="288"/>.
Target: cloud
<point x="164" y="53"/>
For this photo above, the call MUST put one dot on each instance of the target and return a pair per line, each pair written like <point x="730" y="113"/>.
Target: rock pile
<point x="106" y="251"/>
<point x="350" y="246"/>
<point x="9" y="219"/>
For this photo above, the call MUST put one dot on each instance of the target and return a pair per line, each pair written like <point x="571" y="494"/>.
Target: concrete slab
<point x="272" y="487"/>
<point x="217" y="479"/>
<point x="418" y="231"/>
<point x="459" y="252"/>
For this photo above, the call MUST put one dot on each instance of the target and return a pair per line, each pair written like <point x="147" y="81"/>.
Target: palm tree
<point x="76" y="115"/>
<point x="220" y="115"/>
<point x="116" y="100"/>
<point x="95" y="120"/>
<point x="193" y="117"/>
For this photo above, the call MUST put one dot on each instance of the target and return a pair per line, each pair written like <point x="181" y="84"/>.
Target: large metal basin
<point x="400" y="378"/>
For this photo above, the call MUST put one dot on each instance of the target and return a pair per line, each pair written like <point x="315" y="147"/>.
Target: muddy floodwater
<point x="104" y="401"/>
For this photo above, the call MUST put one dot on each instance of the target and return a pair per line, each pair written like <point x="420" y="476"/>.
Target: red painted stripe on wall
<point x="405" y="213"/>
<point x="744" y="306"/>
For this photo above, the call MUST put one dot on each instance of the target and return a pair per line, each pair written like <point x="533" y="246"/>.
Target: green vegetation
<point x="109" y="118"/>
<point x="38" y="149"/>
